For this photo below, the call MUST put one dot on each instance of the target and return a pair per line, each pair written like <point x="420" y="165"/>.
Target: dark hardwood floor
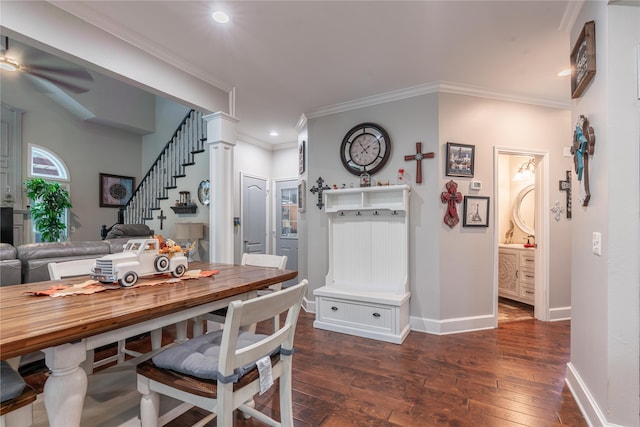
<point x="510" y="376"/>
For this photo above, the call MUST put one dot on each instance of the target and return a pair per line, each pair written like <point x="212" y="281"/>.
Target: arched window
<point x="46" y="164"/>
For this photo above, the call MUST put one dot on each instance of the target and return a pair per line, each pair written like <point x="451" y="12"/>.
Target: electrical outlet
<point x="596" y="243"/>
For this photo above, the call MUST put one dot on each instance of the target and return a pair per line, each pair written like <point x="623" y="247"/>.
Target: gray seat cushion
<point x="12" y="383"/>
<point x="199" y="356"/>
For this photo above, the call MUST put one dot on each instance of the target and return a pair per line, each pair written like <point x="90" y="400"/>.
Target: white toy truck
<point x="141" y="257"/>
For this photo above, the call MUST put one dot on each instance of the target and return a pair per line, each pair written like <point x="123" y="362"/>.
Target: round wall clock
<point x="365" y="148"/>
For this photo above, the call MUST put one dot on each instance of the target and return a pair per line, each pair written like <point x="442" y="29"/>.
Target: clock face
<point x="365" y="148"/>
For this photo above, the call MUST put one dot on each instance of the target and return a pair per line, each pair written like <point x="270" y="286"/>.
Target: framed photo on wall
<point x="302" y="151"/>
<point x="460" y="160"/>
<point x="476" y="211"/>
<point x="583" y="60"/>
<point x="115" y="190"/>
<point x="302" y="200"/>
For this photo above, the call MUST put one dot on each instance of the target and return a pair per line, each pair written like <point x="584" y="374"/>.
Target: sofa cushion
<point x="129" y="230"/>
<point x="36" y="256"/>
<point x="7" y="251"/>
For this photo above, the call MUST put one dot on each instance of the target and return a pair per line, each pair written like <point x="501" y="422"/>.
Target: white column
<point x="221" y="138"/>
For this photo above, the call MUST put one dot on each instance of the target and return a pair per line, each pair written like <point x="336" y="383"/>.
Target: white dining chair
<point x="223" y="370"/>
<point x="82" y="267"/>
<point x="257" y="260"/>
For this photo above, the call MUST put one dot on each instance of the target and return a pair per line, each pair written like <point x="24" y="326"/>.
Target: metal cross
<point x="557" y="210"/>
<point x="161" y="217"/>
<point x="418" y="157"/>
<point x="319" y="189"/>
<point x="566" y="186"/>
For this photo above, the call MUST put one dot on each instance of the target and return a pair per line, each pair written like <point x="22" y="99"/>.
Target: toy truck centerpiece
<point x="141" y="257"/>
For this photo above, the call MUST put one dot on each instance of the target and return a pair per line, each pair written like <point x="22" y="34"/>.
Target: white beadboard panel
<point x="370" y="253"/>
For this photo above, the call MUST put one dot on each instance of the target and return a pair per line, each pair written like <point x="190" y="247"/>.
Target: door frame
<point x="267" y="213"/>
<point x="541" y="307"/>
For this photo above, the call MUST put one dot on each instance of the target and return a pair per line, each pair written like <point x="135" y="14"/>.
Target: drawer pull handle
<point x="334" y="308"/>
<point x="376" y="314"/>
<point x="529" y="292"/>
<point x="529" y="276"/>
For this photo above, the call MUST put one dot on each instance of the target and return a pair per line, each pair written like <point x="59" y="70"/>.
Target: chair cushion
<point x="12" y="383"/>
<point x="199" y="356"/>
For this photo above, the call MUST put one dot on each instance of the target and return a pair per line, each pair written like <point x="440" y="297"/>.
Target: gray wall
<point x="451" y="270"/>
<point x="604" y="370"/>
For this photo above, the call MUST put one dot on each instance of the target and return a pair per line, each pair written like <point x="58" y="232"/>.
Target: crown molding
<point x="435" y="87"/>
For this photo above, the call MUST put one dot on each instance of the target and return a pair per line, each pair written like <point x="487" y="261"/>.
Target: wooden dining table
<point x="65" y="328"/>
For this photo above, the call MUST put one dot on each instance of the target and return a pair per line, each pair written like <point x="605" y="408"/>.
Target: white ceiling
<point x="286" y="58"/>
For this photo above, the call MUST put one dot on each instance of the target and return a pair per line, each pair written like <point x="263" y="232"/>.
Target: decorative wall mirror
<point x="524" y="210"/>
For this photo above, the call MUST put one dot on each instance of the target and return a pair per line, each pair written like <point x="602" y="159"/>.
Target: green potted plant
<point x="49" y="201"/>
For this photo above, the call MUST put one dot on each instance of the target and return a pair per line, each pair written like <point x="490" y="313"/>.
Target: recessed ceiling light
<point x="274" y="133"/>
<point x="220" y="17"/>
<point x="564" y="73"/>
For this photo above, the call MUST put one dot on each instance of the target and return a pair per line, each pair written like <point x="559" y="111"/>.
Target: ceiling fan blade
<point x="76" y="80"/>
<point x="59" y="96"/>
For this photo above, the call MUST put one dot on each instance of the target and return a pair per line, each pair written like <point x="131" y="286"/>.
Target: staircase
<point x="187" y="141"/>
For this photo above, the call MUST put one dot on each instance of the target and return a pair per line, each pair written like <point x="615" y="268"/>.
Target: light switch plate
<point x="596" y="243"/>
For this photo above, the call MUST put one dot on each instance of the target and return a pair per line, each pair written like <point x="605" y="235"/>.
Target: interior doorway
<point x="521" y="236"/>
<point x="254" y="214"/>
<point x="286" y="224"/>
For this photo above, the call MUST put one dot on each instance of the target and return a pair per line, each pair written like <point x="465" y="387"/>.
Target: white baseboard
<point x="309" y="305"/>
<point x="560" y="313"/>
<point x="583" y="397"/>
<point x="452" y="326"/>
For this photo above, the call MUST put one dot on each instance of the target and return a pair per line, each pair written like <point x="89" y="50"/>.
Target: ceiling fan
<point x="48" y="73"/>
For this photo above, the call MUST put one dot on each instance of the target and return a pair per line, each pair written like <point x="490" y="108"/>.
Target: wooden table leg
<point x="66" y="388"/>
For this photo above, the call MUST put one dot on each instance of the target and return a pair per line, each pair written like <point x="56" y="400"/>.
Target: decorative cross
<point x="319" y="189"/>
<point x="557" y="210"/>
<point x="418" y="157"/>
<point x="566" y="186"/>
<point x="161" y="217"/>
<point x="451" y="197"/>
<point x="584" y="140"/>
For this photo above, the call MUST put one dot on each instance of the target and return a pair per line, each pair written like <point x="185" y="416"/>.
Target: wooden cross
<point x="451" y="197"/>
<point x="566" y="186"/>
<point x="319" y="189"/>
<point x="418" y="157"/>
<point x="161" y="217"/>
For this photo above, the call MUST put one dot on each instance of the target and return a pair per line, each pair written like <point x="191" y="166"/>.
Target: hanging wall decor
<point x="476" y="211"/>
<point x="320" y="188"/>
<point x="583" y="60"/>
<point x="566" y="187"/>
<point x="451" y="197"/>
<point x="584" y="141"/>
<point x="418" y="157"/>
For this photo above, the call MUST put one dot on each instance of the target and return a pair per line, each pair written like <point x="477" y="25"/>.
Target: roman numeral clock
<point x="365" y="149"/>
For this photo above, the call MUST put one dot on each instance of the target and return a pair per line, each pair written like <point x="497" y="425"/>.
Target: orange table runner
<point x="92" y="286"/>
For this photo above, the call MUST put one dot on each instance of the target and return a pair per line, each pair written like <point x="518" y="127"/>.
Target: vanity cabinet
<point x="516" y="274"/>
<point x="366" y="290"/>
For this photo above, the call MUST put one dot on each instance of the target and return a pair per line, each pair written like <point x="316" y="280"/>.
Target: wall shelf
<point x="184" y="209"/>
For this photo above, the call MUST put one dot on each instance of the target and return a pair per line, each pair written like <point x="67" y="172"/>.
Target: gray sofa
<point x="10" y="265"/>
<point x="29" y="262"/>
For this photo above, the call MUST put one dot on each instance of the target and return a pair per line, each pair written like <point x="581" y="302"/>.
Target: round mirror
<point x="524" y="210"/>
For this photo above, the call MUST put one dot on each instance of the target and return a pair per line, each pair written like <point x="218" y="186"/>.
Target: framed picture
<point x="476" y="211"/>
<point x="301" y="156"/>
<point x="583" y="59"/>
<point x="460" y="159"/>
<point x="302" y="190"/>
<point x="115" y="190"/>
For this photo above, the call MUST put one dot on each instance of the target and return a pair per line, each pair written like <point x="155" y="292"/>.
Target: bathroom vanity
<point x="516" y="273"/>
